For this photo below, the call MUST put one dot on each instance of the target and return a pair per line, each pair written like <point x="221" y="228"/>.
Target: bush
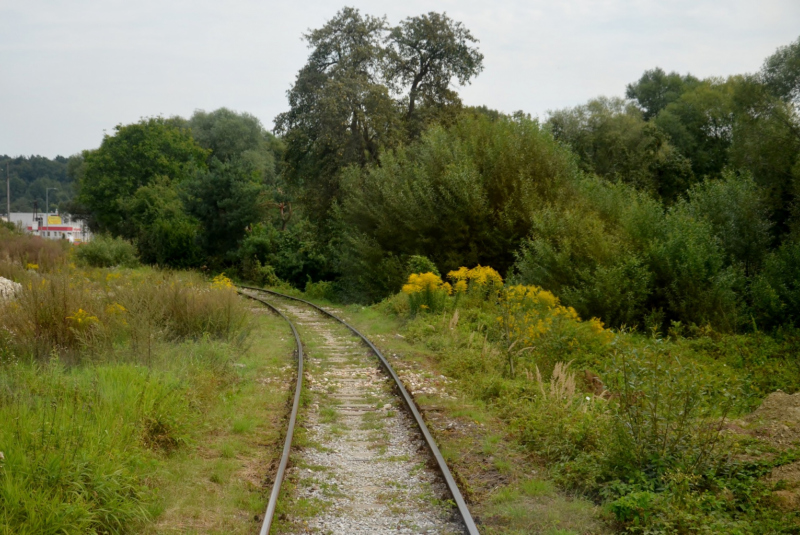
<point x="294" y="254"/>
<point x="251" y="270"/>
<point x="421" y="264"/>
<point x="776" y="290"/>
<point x="691" y="277"/>
<point x="536" y="327"/>
<point x="104" y="251"/>
<point x="321" y="290"/>
<point x="669" y="414"/>
<point x="588" y="263"/>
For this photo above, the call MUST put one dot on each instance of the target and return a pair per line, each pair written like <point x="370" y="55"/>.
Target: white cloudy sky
<point x="72" y="69"/>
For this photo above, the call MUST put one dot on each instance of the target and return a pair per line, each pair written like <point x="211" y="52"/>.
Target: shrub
<point x="104" y="251"/>
<point x="691" y="277"/>
<point x="669" y="414"/>
<point x="251" y="270"/>
<point x="534" y="323"/>
<point x="421" y="264"/>
<point x="461" y="195"/>
<point x="588" y="263"/>
<point x="294" y="254"/>
<point x="776" y="290"/>
<point x="321" y="290"/>
<point x="562" y="426"/>
<point x="478" y="285"/>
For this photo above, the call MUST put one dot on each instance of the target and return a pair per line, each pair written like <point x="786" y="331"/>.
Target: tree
<point x="613" y="140"/>
<point x="656" y="89"/>
<point x="700" y="123"/>
<point x="339" y="111"/>
<point x="424" y="55"/>
<point x="132" y="158"/>
<point x="342" y="111"/>
<point x="229" y="135"/>
<point x="164" y="233"/>
<point x="766" y="142"/>
<point x="226" y="199"/>
<point x="734" y="206"/>
<point x="461" y="196"/>
<point x="781" y="73"/>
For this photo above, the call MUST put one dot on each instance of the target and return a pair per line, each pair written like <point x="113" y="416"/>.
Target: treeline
<point x="30" y="176"/>
<point x="674" y="206"/>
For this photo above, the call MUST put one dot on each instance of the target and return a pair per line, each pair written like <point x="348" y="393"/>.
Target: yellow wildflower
<point x="115" y="308"/>
<point x="221" y="282"/>
<point x="81" y="318"/>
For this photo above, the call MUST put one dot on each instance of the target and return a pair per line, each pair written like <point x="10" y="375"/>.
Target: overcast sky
<point x="71" y="70"/>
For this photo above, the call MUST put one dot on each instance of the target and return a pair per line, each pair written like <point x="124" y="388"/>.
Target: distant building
<point x="55" y="228"/>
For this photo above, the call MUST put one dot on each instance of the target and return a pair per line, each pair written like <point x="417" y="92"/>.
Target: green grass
<point x="113" y="439"/>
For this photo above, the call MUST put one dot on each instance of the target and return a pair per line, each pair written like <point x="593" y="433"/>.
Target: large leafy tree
<point x="226" y="199"/>
<point x="339" y="111"/>
<point x="237" y="190"/>
<point x="164" y="233"/>
<point x="360" y="88"/>
<point x="612" y="139"/>
<point x="700" y="124"/>
<point x="133" y="157"/>
<point x="230" y="136"/>
<point x="424" y="54"/>
<point x="766" y="142"/>
<point x="656" y="89"/>
<point x="781" y="72"/>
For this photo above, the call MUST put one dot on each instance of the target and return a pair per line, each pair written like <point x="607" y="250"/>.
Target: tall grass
<point x="80" y="416"/>
<point x="80" y="314"/>
<point x="24" y="250"/>
<point x="78" y="441"/>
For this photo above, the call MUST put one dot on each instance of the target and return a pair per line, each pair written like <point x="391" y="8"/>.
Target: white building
<point x="55" y="228"/>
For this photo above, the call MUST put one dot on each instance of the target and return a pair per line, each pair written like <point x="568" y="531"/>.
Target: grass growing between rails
<point x="135" y="401"/>
<point x="647" y="426"/>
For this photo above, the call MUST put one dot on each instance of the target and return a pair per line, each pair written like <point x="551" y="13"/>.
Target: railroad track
<point x="371" y="470"/>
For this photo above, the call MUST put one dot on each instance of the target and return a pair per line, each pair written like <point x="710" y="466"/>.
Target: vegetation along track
<point x="366" y="468"/>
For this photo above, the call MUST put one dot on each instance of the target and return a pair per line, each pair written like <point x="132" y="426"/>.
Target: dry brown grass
<point x="77" y="313"/>
<point x="23" y="249"/>
<point x="561" y="387"/>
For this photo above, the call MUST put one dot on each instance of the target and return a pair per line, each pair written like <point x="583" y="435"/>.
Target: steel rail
<point x="287" y="445"/>
<point x="466" y="516"/>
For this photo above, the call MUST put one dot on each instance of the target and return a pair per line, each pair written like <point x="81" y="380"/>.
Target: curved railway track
<point x="466" y="523"/>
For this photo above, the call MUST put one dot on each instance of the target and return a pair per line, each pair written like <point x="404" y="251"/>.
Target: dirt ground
<point x="777" y="422"/>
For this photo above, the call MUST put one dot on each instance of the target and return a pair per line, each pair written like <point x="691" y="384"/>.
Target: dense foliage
<point x="677" y="204"/>
<point x="30" y="177"/>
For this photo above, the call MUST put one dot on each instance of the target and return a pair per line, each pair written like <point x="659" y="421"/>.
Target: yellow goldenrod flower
<point x="221" y="282"/>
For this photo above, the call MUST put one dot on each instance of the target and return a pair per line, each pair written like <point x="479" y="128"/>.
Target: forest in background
<point x="674" y="203"/>
<point x="30" y="178"/>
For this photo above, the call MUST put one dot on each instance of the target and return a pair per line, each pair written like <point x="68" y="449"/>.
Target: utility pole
<point x="8" y="193"/>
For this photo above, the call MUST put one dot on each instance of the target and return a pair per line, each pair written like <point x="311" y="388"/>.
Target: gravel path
<point x="364" y="468"/>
